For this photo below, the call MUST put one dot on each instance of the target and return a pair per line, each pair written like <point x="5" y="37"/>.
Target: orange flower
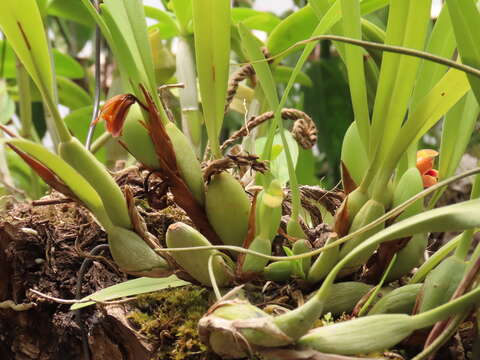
<point x="115" y="111"/>
<point x="425" y="160"/>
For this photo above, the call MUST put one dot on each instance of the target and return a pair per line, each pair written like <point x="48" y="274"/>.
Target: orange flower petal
<point x="429" y="181"/>
<point x="424" y="164"/>
<point x="115" y="111"/>
<point x="425" y="160"/>
<point x="427" y="153"/>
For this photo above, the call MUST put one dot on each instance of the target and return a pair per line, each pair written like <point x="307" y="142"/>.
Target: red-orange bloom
<point x="115" y="111"/>
<point x="425" y="160"/>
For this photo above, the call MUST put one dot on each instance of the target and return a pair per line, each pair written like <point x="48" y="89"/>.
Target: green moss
<point x="169" y="320"/>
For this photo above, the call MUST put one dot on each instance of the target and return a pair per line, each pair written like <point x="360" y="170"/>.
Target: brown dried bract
<point x="115" y="111"/>
<point x="170" y="174"/>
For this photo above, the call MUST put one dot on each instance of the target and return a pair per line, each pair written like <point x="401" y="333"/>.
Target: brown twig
<point x="304" y="129"/>
<point x="246" y="71"/>
<point x="233" y="160"/>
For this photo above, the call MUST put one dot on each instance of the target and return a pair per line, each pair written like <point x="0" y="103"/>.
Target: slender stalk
<point x="434" y="260"/>
<point x="96" y="99"/>
<point x="213" y="280"/>
<point x="377" y="46"/>
<point x="372" y="296"/>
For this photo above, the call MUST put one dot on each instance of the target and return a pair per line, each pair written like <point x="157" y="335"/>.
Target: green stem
<point x="27" y="130"/>
<point x="434" y="260"/>
<point x="100" y="141"/>
<point x="389" y="48"/>
<point x="372" y="296"/>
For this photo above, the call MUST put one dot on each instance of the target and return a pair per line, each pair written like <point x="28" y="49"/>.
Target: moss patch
<point x="169" y="320"/>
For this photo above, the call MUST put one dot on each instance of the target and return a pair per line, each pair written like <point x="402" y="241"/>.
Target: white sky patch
<point x="276" y="6"/>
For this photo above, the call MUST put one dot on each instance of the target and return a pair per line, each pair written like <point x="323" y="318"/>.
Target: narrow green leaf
<point x="212" y="21"/>
<point x="356" y="73"/>
<point x="133" y="287"/>
<point x="465" y="18"/>
<point x="442" y="43"/>
<point x="458" y="127"/>
<point x="443" y="96"/>
<point x="72" y="95"/>
<point x="138" y="28"/>
<point x="22" y="24"/>
<point x="407" y="25"/>
<point x="131" y="67"/>
<point x="76" y="183"/>
<point x="457" y="130"/>
<point x="65" y="65"/>
<point x="183" y="12"/>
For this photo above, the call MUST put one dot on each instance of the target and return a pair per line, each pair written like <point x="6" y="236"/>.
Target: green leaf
<point x="294" y="28"/>
<point x="166" y="24"/>
<point x="129" y="18"/>
<point x="282" y="74"/>
<point x="279" y="165"/>
<point x="183" y="12"/>
<point x="211" y="22"/>
<point x="22" y="25"/>
<point x="72" y="95"/>
<point x="356" y="73"/>
<point x="443" y="96"/>
<point x="65" y="65"/>
<point x="456" y="133"/>
<point x="407" y="26"/>
<point x="255" y="20"/>
<point x="128" y="59"/>
<point x="442" y="43"/>
<point x="300" y="24"/>
<point x="75" y="182"/>
<point x="465" y="18"/>
<point x="70" y="10"/>
<point x="130" y="288"/>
